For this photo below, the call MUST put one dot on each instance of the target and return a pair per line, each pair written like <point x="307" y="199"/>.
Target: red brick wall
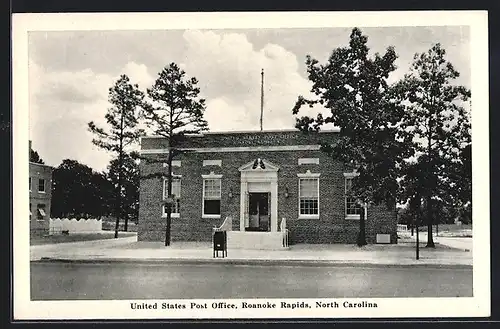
<point x="331" y="227"/>
<point x="36" y="171"/>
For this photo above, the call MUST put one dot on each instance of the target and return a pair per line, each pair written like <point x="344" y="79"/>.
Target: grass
<point x="110" y="226"/>
<point x="76" y="237"/>
<point x="453" y="227"/>
<point x="449" y="230"/>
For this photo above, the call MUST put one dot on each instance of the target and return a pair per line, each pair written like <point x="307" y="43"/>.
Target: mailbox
<point x="220" y="243"/>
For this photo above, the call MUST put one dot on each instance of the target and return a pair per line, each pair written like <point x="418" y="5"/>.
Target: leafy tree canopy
<point x="353" y="86"/>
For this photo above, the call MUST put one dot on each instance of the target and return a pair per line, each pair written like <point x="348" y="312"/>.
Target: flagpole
<point x="261" y="97"/>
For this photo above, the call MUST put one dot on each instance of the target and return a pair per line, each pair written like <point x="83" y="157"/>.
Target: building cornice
<point x="239" y="149"/>
<point x="235" y="132"/>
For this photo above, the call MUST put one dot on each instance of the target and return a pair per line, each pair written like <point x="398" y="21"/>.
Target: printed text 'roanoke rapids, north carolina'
<point x="251" y="305"/>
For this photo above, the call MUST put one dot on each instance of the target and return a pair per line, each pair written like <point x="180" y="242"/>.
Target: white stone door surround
<point x="259" y="175"/>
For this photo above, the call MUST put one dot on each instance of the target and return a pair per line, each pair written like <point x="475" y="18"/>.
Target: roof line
<point x="40" y="164"/>
<point x="234" y="132"/>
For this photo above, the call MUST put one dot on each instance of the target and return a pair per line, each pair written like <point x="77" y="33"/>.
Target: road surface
<point x="59" y="281"/>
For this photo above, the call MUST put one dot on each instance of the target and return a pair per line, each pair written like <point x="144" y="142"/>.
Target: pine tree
<point x="130" y="184"/>
<point x="439" y="125"/>
<point x="122" y="118"/>
<point x="173" y="110"/>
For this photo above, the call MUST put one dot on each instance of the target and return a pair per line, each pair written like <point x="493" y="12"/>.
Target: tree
<point x="78" y="191"/>
<point x="35" y="157"/>
<point x="122" y="118"/>
<point x="173" y="110"/>
<point x="130" y="185"/>
<point x="101" y="192"/>
<point x="436" y="119"/>
<point x="354" y="88"/>
<point x="463" y="181"/>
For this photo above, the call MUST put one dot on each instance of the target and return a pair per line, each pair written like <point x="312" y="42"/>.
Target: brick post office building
<point x="251" y="184"/>
<point x="40" y="183"/>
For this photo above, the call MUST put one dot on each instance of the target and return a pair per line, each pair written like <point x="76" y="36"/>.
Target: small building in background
<point x="40" y="183"/>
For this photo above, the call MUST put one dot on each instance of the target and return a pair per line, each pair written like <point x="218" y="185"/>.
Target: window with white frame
<point x="41" y="185"/>
<point x="308" y="197"/>
<point x="176" y="195"/>
<point x="211" y="196"/>
<point x="352" y="206"/>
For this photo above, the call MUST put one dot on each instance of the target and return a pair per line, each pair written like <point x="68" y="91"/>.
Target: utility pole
<point x="261" y="97"/>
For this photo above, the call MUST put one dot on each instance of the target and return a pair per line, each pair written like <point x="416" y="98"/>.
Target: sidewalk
<point x="129" y="250"/>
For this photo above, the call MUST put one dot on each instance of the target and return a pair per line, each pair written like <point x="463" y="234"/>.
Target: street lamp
<point x="415" y="204"/>
<point x="417" y="225"/>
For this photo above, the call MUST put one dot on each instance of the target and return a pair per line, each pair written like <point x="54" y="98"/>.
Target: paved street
<point x="56" y="281"/>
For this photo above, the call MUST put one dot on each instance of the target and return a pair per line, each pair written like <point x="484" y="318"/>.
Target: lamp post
<point x="417" y="225"/>
<point x="415" y="211"/>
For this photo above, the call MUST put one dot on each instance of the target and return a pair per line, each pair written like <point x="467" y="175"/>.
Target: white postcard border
<point x="479" y="305"/>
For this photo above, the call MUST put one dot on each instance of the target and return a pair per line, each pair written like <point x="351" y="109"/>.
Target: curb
<point x="249" y="262"/>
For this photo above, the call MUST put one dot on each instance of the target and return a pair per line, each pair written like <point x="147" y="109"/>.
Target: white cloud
<point x="62" y="104"/>
<point x="226" y="64"/>
<point x="228" y="68"/>
<point x="138" y="73"/>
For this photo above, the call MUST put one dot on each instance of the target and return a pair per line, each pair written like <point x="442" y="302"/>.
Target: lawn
<point x="454" y="231"/>
<point x="108" y="225"/>
<point x="445" y="230"/>
<point x="76" y="237"/>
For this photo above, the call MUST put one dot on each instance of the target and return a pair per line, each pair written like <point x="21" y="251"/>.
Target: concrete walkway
<point x="128" y="249"/>
<point x="461" y="243"/>
<point x="457" y="243"/>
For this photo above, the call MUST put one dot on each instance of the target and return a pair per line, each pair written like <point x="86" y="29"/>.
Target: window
<point x="30" y="212"/>
<point x="352" y="207"/>
<point x="211" y="197"/>
<point x="41" y="212"/>
<point x="309" y="197"/>
<point x="176" y="193"/>
<point x="41" y="185"/>
<point x="30" y="185"/>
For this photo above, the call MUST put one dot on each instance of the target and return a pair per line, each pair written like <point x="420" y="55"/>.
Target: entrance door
<point x="258" y="205"/>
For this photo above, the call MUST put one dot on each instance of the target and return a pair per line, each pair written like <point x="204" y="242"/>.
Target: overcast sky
<point x="70" y="73"/>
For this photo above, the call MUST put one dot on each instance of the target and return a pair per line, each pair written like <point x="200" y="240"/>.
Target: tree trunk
<point x="430" y="240"/>
<point x="120" y="168"/>
<point x="126" y="224"/>
<point x="117" y="214"/>
<point x="169" y="194"/>
<point x="362" y="234"/>
<point x="430" y="178"/>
